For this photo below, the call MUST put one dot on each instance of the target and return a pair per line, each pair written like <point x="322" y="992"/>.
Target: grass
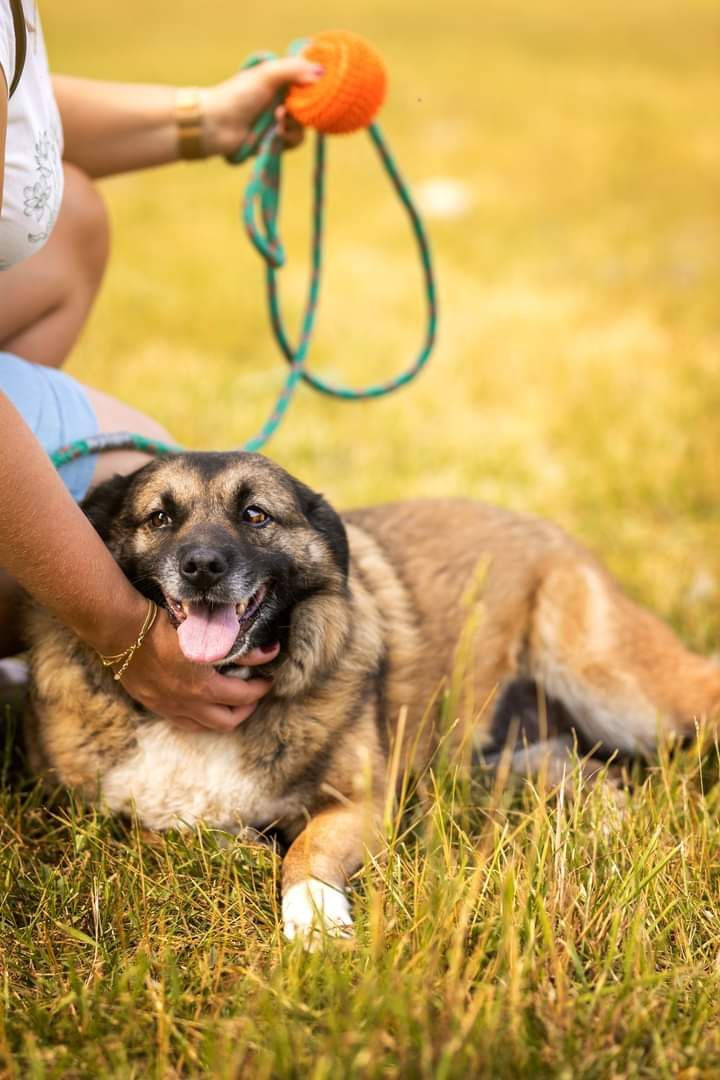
<point x="503" y="935"/>
<point x="578" y="376"/>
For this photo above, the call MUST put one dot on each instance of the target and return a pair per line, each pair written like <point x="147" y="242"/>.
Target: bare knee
<point x="77" y="249"/>
<point x="48" y="296"/>
<point x="83" y="227"/>
<point x="113" y="415"/>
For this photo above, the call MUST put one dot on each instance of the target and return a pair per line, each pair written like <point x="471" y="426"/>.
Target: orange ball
<point x="348" y="96"/>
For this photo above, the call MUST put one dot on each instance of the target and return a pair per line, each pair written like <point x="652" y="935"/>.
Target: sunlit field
<point x="577" y="375"/>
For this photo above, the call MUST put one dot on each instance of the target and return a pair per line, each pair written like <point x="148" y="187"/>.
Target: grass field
<point x="577" y="376"/>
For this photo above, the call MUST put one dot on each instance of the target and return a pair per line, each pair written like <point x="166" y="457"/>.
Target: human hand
<point x="231" y="107"/>
<point x="192" y="696"/>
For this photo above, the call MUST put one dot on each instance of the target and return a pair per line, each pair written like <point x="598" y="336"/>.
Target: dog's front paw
<point x="311" y="909"/>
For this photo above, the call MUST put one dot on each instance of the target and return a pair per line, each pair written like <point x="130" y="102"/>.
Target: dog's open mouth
<point x="206" y="631"/>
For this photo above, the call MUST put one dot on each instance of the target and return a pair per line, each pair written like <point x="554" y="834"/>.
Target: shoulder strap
<point x="18" y="18"/>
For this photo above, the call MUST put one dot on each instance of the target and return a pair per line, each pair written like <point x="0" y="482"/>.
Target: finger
<point x="292" y="128"/>
<point x="184" y="723"/>
<point x="236" y="693"/>
<point x="286" y="120"/>
<point x="260" y="656"/>
<point x="220" y="717"/>
<point x="290" y="131"/>
<point x="290" y="142"/>
<point x="290" y="69"/>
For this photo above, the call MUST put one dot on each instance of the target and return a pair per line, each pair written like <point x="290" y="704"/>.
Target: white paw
<point x="311" y="908"/>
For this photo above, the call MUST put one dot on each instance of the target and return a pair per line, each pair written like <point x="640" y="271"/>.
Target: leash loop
<point x="260" y="212"/>
<point x="262" y="203"/>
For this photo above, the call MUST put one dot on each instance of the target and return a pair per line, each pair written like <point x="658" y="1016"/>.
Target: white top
<point x="33" y="182"/>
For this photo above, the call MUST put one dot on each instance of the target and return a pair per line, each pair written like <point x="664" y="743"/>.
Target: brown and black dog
<point x="368" y="608"/>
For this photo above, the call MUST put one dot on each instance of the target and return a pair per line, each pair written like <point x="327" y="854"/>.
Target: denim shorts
<point x="57" y="410"/>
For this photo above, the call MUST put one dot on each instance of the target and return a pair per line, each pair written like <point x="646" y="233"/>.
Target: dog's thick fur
<point x="369" y="610"/>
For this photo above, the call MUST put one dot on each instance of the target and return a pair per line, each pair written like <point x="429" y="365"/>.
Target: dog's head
<point x="228" y="543"/>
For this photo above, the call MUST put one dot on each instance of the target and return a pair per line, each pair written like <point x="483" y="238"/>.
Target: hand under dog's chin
<point x="247" y="644"/>
<point x="235" y="656"/>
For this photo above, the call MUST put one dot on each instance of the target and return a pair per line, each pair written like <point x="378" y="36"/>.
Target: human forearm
<point x="50" y="548"/>
<point x="117" y="127"/>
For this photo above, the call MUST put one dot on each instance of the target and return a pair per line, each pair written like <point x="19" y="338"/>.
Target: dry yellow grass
<point x="578" y="363"/>
<point x="577" y="375"/>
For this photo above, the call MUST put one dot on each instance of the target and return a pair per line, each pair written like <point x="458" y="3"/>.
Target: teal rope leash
<point x="115" y="440"/>
<point x="260" y="212"/>
<point x="259" y="194"/>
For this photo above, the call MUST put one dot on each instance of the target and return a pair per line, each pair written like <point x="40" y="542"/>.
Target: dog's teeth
<point x="241" y="607"/>
<point x="177" y="607"/>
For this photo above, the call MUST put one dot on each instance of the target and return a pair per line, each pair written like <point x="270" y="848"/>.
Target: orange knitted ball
<point x="349" y="94"/>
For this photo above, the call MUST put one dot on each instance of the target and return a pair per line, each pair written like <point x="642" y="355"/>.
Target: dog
<point x="369" y="610"/>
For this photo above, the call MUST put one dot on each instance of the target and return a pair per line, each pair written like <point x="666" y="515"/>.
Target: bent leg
<point x="555" y="763"/>
<point x="621" y="673"/>
<point x="113" y="415"/>
<point x="47" y="298"/>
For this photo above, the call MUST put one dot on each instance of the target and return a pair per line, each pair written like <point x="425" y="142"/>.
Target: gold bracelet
<point x="126" y="656"/>
<point x="189" y="118"/>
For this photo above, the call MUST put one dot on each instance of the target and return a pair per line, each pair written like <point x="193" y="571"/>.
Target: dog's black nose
<point x="203" y="566"/>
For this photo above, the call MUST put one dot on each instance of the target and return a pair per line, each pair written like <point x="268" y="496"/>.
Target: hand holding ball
<point x="349" y="94"/>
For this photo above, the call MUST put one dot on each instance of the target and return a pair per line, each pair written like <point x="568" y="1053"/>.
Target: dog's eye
<point x="253" y="515"/>
<point x="159" y="519"/>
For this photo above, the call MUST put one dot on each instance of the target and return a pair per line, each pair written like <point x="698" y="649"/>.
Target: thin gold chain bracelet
<point x="126" y="655"/>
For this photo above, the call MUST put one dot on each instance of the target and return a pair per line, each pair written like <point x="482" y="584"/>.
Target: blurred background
<point x="566" y="157"/>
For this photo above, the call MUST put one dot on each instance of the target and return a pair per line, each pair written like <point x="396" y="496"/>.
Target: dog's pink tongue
<point x="208" y="633"/>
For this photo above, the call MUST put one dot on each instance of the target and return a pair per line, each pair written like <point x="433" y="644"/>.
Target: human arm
<point x="49" y="547"/>
<point x="112" y="128"/>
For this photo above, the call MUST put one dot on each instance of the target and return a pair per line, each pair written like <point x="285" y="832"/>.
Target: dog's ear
<point x="327" y="522"/>
<point x="104" y="504"/>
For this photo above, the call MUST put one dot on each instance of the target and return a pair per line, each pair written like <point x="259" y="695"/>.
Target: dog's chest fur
<point x="174" y="779"/>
